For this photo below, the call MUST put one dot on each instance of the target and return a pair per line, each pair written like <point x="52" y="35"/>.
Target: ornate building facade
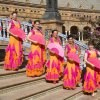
<point x="75" y="14"/>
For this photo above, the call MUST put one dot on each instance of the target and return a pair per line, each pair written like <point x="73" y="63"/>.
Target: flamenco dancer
<point x="72" y="72"/>
<point x="37" y="56"/>
<point x="55" y="63"/>
<point x="14" y="55"/>
<point x="91" y="78"/>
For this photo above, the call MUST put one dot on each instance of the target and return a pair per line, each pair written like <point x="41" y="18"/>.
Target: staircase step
<point x="3" y="43"/>
<point x="1" y="63"/>
<point x="15" y="85"/>
<point x="60" y="94"/>
<point x="28" y="91"/>
<point x="22" y="66"/>
<point x="4" y="74"/>
<point x="89" y="97"/>
<point x="18" y="82"/>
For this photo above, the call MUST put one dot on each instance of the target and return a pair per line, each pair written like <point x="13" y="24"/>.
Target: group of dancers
<point x="54" y="68"/>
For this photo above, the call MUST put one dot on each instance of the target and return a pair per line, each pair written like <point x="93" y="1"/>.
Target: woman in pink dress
<point x="55" y="63"/>
<point x="72" y="72"/>
<point x="37" y="56"/>
<point x="91" y="76"/>
<point x="14" y="52"/>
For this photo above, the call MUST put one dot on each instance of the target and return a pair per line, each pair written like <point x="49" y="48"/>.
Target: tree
<point x="96" y="38"/>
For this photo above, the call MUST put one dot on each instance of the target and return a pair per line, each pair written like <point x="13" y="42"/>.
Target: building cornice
<point x="79" y="10"/>
<point x="11" y="2"/>
<point x="27" y="4"/>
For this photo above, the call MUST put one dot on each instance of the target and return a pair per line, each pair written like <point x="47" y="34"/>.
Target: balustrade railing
<point x="27" y="27"/>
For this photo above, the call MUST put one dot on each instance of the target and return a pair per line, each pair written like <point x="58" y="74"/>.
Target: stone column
<point x="52" y="17"/>
<point x="51" y="12"/>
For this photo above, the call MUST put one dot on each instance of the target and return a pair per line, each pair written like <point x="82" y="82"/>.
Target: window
<point x="72" y="15"/>
<point x="78" y="15"/>
<point x="87" y="16"/>
<point x="7" y="9"/>
<point x="19" y="9"/>
<point x="84" y="15"/>
<point x="15" y="9"/>
<point x="96" y="17"/>
<point x="3" y="8"/>
<point x="31" y="10"/>
<point x="23" y="9"/>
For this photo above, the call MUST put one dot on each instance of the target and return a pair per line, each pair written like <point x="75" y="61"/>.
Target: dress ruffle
<point x="12" y="59"/>
<point x="35" y="64"/>
<point x="53" y="69"/>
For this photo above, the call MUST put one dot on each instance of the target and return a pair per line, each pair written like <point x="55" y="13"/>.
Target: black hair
<point x="91" y="42"/>
<point x="14" y="12"/>
<point x="36" y="21"/>
<point x="70" y="36"/>
<point x="54" y="31"/>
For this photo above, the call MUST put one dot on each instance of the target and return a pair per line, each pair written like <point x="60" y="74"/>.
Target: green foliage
<point x="86" y="35"/>
<point x="96" y="39"/>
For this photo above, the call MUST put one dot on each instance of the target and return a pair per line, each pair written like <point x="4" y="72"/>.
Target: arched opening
<point x="74" y="31"/>
<point x="63" y="29"/>
<point x="86" y="32"/>
<point x="87" y="28"/>
<point x="98" y="28"/>
<point x="2" y="29"/>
